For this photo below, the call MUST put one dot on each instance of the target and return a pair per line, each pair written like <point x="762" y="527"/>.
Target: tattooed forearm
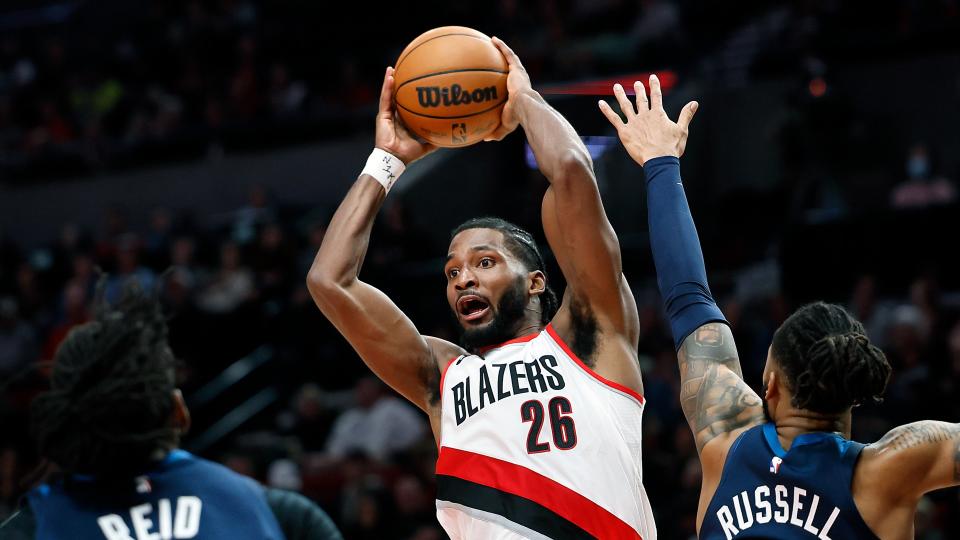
<point x="713" y="395"/>
<point x="919" y="433"/>
<point x="712" y="344"/>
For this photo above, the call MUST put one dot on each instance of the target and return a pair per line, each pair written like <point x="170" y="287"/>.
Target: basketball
<point x="451" y="86"/>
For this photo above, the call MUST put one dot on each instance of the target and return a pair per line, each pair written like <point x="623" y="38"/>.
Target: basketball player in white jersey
<point x="538" y="413"/>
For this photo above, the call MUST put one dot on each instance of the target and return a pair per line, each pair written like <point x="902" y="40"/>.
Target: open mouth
<point x="472" y="307"/>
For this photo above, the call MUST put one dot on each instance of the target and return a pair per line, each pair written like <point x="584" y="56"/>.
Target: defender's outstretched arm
<point x="715" y="399"/>
<point x="381" y="334"/>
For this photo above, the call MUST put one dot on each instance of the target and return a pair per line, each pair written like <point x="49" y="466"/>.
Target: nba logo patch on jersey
<point x="143" y="484"/>
<point x="775" y="464"/>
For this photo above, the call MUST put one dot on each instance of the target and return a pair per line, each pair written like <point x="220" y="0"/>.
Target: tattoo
<point x="920" y="433"/>
<point x="713" y="395"/>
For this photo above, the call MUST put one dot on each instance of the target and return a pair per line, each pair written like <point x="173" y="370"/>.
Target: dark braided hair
<point x="522" y="246"/>
<point x="110" y="403"/>
<point x="828" y="360"/>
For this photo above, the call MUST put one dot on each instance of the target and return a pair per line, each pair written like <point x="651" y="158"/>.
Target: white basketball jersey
<point x="536" y="445"/>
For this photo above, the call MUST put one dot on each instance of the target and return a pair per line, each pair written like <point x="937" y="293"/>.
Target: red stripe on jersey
<point x="608" y="382"/>
<point x="521" y="339"/>
<point x="521" y="481"/>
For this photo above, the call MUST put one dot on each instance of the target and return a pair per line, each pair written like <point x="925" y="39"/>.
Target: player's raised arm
<point x="376" y="328"/>
<point x="576" y="226"/>
<point x="716" y="401"/>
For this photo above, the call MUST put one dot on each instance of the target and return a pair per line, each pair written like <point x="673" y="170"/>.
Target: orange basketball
<point x="451" y="85"/>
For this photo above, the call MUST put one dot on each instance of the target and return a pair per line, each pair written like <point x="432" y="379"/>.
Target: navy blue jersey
<point x="183" y="497"/>
<point x="800" y="494"/>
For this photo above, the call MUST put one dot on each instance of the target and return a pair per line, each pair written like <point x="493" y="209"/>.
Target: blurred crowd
<point x="88" y="86"/>
<point x="81" y="93"/>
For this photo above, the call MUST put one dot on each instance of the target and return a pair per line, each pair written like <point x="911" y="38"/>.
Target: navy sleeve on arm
<point x="681" y="275"/>
<point x="299" y="517"/>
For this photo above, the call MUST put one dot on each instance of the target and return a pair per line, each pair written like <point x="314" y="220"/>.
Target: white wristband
<point x="384" y="167"/>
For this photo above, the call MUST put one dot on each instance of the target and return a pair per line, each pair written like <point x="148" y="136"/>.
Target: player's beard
<point x="506" y="314"/>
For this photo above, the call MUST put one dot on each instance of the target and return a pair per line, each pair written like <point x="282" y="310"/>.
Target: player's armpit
<point x="715" y="399"/>
<point x="919" y="457"/>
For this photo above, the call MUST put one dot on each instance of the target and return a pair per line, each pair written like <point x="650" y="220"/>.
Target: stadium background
<point x="216" y="137"/>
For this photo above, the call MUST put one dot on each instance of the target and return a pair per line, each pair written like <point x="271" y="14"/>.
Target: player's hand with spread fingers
<point x="391" y="136"/>
<point x="648" y="132"/>
<point x="518" y="83"/>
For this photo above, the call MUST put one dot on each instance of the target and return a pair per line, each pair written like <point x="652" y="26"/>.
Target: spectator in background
<point x="413" y="504"/>
<point x="75" y="312"/>
<point x="115" y="229"/>
<point x="273" y="260"/>
<point x="923" y="187"/>
<point x="245" y="99"/>
<point x="286" y="96"/>
<point x="70" y="242"/>
<point x="51" y="129"/>
<point x="129" y="268"/>
<point x="231" y="286"/>
<point x="868" y="309"/>
<point x="31" y="295"/>
<point x="379" y="425"/>
<point x="315" y="234"/>
<point x="948" y="382"/>
<point x="84" y="272"/>
<point x="183" y="260"/>
<point x="907" y="337"/>
<point x="157" y="241"/>
<point x="310" y="418"/>
<point x="18" y="346"/>
<point x="257" y="211"/>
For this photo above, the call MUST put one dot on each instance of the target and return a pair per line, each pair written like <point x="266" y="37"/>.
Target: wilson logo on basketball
<point x="435" y="96"/>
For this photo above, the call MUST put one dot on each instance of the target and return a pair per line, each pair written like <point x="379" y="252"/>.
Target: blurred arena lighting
<point x="817" y="87"/>
<point x="604" y="87"/>
<point x="596" y="145"/>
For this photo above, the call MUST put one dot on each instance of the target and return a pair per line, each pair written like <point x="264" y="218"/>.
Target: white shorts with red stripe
<point x="536" y="445"/>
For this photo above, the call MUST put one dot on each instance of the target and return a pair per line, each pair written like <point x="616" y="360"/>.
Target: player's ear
<point x="181" y="414"/>
<point x="772" y="387"/>
<point x="536" y="282"/>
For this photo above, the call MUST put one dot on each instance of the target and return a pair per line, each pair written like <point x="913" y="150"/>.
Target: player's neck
<point x="532" y="322"/>
<point x="796" y="422"/>
<point x="527" y="328"/>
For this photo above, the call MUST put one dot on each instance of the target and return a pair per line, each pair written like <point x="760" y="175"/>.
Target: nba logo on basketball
<point x="459" y="133"/>
<point x="775" y="464"/>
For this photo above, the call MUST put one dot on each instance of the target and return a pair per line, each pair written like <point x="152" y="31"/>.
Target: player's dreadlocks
<point x="829" y="362"/>
<point x="524" y="247"/>
<point x="110" y="403"/>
